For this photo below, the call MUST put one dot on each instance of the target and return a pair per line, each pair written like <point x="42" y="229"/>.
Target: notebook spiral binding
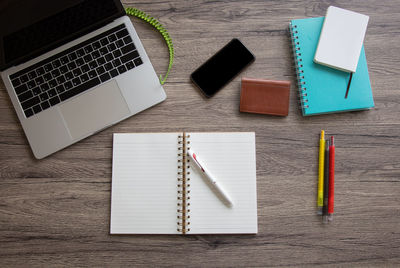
<point x="301" y="82"/>
<point x="183" y="211"/>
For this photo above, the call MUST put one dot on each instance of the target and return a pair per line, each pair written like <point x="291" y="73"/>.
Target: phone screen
<point x="222" y="67"/>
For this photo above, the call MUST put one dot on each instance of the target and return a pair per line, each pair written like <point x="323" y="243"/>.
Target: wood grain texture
<point x="55" y="212"/>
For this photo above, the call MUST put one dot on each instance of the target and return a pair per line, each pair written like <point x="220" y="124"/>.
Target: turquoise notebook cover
<point x="322" y="89"/>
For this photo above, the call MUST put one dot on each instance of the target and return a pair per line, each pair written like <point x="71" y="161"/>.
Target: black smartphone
<point x="221" y="68"/>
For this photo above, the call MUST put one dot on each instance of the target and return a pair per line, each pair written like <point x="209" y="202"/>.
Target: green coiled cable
<point x="140" y="14"/>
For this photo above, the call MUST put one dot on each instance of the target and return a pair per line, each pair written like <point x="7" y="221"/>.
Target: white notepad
<point x="148" y="182"/>
<point x="341" y="39"/>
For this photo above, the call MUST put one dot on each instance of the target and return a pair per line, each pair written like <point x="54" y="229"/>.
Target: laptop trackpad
<point x="94" y="110"/>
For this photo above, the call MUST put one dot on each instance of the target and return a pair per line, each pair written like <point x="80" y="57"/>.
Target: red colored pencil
<point x="331" y="191"/>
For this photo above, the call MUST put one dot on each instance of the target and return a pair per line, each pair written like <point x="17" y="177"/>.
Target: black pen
<point x="326" y="183"/>
<point x="348" y="85"/>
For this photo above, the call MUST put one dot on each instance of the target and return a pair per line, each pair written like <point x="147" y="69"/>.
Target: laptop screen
<point x="29" y="28"/>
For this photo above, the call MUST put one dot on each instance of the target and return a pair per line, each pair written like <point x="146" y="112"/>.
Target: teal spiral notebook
<point x="321" y="88"/>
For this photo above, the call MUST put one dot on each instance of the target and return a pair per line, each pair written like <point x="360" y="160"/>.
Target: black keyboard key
<point x="120" y="43"/>
<point x="52" y="92"/>
<point x="25" y="96"/>
<point x="32" y="75"/>
<point x="31" y="84"/>
<point x="112" y="47"/>
<point x="109" y="57"/>
<point x="79" y="89"/>
<point x="45" y="105"/>
<point x="117" y="53"/>
<point x="60" y="89"/>
<point x="88" y="58"/>
<point x="63" y="69"/>
<point x="95" y="54"/>
<point x="71" y="66"/>
<point x="47" y="77"/>
<point x="121" y="69"/>
<point x="128" y="48"/>
<point x="64" y="60"/>
<point x="69" y="76"/>
<point x="24" y="78"/>
<point x="40" y="71"/>
<point x="44" y="87"/>
<point x="16" y="82"/>
<point x="114" y="73"/>
<point x="100" y="70"/>
<point x="122" y="33"/>
<point x="56" y="63"/>
<point x="21" y="89"/>
<point x="36" y="91"/>
<point x="104" y="77"/>
<point x="96" y="45"/>
<point x="44" y="96"/>
<point x="88" y="49"/>
<point x="103" y="51"/>
<point x="108" y="66"/>
<point x="84" y="78"/>
<point x="93" y="64"/>
<point x="68" y="85"/>
<point x="127" y="40"/>
<point x="55" y="100"/>
<point x="55" y="73"/>
<point x="72" y="56"/>
<point x="77" y="72"/>
<point x="28" y="113"/>
<point x="80" y="52"/>
<point x="37" y="108"/>
<point x="85" y="68"/>
<point x="48" y="67"/>
<point x="129" y="56"/>
<point x="31" y="102"/>
<point x="101" y="61"/>
<point x="138" y="61"/>
<point x="76" y="82"/>
<point x="80" y="62"/>
<point x="53" y="83"/>
<point x="104" y="41"/>
<point x="116" y="62"/>
<point x="92" y="74"/>
<point x="112" y="37"/>
<point x="39" y="80"/>
<point x="61" y="80"/>
<point x="130" y="65"/>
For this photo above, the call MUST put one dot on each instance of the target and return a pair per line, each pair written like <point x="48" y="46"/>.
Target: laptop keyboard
<point x="75" y="70"/>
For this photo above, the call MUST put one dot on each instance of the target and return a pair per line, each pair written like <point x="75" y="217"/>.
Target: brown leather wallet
<point x="265" y="96"/>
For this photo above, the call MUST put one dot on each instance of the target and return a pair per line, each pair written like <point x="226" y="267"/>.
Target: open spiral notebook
<point x="157" y="190"/>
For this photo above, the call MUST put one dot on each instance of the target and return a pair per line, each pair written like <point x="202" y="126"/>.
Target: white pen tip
<point x="319" y="211"/>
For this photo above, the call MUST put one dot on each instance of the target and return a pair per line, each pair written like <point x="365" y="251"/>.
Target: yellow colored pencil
<point x="320" y="199"/>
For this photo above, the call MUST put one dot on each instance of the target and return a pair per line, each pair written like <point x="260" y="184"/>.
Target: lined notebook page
<point x="144" y="184"/>
<point x="230" y="157"/>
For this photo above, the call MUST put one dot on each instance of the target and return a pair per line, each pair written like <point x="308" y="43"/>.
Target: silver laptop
<point x="72" y="68"/>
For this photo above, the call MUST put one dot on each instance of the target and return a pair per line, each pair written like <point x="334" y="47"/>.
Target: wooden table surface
<point x="56" y="211"/>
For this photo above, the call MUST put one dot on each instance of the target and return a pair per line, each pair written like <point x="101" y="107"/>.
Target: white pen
<point x="211" y="179"/>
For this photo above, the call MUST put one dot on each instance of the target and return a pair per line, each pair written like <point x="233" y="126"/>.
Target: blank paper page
<point x="144" y="184"/>
<point x="341" y="39"/>
<point x="231" y="158"/>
